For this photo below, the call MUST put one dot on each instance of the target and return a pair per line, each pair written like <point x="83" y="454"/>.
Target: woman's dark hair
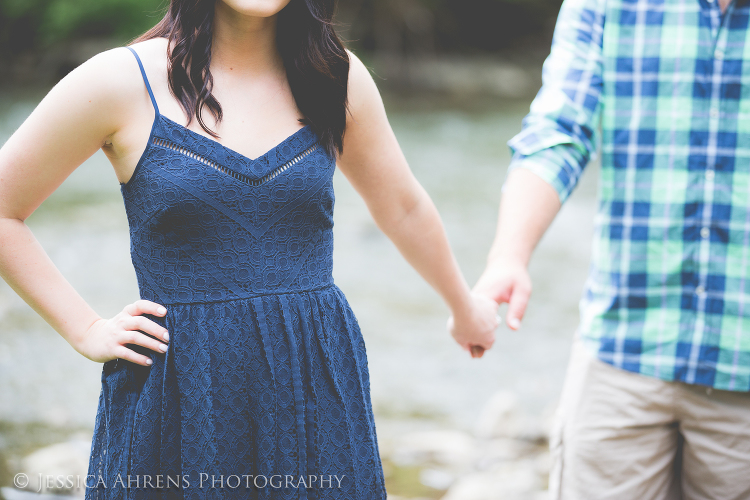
<point x="316" y="63"/>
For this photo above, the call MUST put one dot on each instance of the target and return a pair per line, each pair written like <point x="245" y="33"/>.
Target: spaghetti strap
<point x="145" y="79"/>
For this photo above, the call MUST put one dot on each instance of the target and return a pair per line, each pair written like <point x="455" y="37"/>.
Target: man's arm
<point x="527" y="207"/>
<point x="558" y="138"/>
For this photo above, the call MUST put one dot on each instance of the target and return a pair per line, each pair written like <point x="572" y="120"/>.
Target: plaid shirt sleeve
<point x="560" y="133"/>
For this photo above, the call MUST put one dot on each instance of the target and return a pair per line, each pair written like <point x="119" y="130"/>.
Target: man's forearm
<point x="527" y="208"/>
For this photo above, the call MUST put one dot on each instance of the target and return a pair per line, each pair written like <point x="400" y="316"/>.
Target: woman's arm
<point x="375" y="165"/>
<point x="76" y="118"/>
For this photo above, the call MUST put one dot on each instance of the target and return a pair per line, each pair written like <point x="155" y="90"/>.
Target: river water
<point x="457" y="151"/>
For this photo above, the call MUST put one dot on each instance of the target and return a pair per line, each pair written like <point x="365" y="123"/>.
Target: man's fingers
<point x="498" y="293"/>
<point x="497" y="288"/>
<point x="517" y="305"/>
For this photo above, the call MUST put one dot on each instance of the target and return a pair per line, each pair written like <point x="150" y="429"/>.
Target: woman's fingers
<point x="478" y="334"/>
<point x="140" y="307"/>
<point x="135" y="327"/>
<point x="133" y="337"/>
<point x="108" y="339"/>
<point x="146" y="325"/>
<point x="130" y="355"/>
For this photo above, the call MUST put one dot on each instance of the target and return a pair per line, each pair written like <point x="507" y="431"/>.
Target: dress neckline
<point x="252" y="167"/>
<point x="229" y="150"/>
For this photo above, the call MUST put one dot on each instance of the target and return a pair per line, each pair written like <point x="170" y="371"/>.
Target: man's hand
<point x="507" y="281"/>
<point x="527" y="208"/>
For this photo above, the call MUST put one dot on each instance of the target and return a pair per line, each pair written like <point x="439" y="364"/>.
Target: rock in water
<point x="500" y="417"/>
<point x="445" y="447"/>
<point x="508" y="481"/>
<point x="14" y="494"/>
<point x="60" y="465"/>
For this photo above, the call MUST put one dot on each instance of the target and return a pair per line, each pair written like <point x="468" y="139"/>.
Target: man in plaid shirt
<point x="656" y="402"/>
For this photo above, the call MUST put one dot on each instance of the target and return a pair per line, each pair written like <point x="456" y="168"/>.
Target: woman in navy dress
<point x="241" y="372"/>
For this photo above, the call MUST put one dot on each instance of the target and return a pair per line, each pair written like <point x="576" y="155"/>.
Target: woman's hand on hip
<point x="106" y="339"/>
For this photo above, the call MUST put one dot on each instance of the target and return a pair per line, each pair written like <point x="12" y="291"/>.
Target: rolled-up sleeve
<point x="560" y="133"/>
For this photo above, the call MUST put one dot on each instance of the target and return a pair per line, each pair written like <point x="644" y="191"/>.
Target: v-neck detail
<point x="229" y="150"/>
<point x="227" y="157"/>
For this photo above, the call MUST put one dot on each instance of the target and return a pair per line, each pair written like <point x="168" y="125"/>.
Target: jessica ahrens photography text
<point x="182" y="481"/>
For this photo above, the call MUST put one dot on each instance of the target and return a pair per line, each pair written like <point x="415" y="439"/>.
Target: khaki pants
<point x="623" y="436"/>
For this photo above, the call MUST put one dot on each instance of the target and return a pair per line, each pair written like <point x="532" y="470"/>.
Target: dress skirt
<point x="256" y="398"/>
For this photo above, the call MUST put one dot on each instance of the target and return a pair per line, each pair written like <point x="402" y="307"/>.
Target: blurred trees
<point x="39" y="24"/>
<point x="440" y="26"/>
<point x="408" y="25"/>
<point x="32" y="28"/>
<point x="41" y="40"/>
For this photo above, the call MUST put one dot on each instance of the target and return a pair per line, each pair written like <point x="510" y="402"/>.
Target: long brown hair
<point x="315" y="60"/>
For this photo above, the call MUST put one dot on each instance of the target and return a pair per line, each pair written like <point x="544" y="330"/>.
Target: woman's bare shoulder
<point x="153" y="54"/>
<point x="358" y="72"/>
<point x="113" y="75"/>
<point x="362" y="93"/>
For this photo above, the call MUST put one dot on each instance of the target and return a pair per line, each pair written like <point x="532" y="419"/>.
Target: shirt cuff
<point x="559" y="166"/>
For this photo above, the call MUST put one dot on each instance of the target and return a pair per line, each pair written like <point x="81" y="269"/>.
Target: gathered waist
<point x="171" y="301"/>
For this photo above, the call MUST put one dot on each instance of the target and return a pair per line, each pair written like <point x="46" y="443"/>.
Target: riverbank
<point x="504" y="456"/>
<point x="427" y="393"/>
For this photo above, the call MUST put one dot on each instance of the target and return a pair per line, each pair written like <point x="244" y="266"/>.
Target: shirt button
<point x="710" y="175"/>
<point x="700" y="291"/>
<point x="719" y="54"/>
<point x="714" y="113"/>
<point x="705" y="233"/>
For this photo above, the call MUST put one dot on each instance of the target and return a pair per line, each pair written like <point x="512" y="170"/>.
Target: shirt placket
<point x="716" y="53"/>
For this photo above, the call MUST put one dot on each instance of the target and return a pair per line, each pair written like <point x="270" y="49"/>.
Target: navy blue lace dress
<point x="264" y="391"/>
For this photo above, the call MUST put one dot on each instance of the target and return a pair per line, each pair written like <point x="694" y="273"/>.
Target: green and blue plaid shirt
<point x="668" y="82"/>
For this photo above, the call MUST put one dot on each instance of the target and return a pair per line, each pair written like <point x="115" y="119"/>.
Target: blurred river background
<point x="444" y="420"/>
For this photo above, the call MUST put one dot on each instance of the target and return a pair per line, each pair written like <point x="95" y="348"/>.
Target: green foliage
<point x="123" y="18"/>
<point x="408" y="25"/>
<point x="30" y="24"/>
